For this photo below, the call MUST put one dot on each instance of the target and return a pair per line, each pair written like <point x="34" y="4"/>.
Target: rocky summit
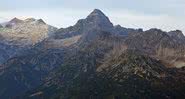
<point x="25" y="32"/>
<point x="92" y="59"/>
<point x="18" y="35"/>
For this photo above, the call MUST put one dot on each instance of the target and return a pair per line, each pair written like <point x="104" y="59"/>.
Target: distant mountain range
<point x="91" y="60"/>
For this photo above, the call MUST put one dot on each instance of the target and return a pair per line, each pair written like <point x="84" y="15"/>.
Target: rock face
<point x="126" y="31"/>
<point x="177" y="34"/>
<point x="157" y="43"/>
<point x="96" y="20"/>
<point x="95" y="60"/>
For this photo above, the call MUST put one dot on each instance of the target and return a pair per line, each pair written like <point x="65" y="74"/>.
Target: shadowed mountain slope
<point x="95" y="60"/>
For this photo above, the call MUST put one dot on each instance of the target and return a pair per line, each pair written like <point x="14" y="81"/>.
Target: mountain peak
<point x="176" y="34"/>
<point x="15" y="20"/>
<point x="99" y="20"/>
<point x="97" y="12"/>
<point x="95" y="21"/>
<point x="40" y="21"/>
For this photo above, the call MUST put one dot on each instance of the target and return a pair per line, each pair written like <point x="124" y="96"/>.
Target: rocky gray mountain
<point x="177" y="34"/>
<point x="100" y="64"/>
<point x="157" y="43"/>
<point x="95" y="20"/>
<point x="33" y="59"/>
<point x="95" y="60"/>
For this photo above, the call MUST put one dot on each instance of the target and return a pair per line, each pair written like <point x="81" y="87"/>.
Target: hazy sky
<point x="164" y="14"/>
